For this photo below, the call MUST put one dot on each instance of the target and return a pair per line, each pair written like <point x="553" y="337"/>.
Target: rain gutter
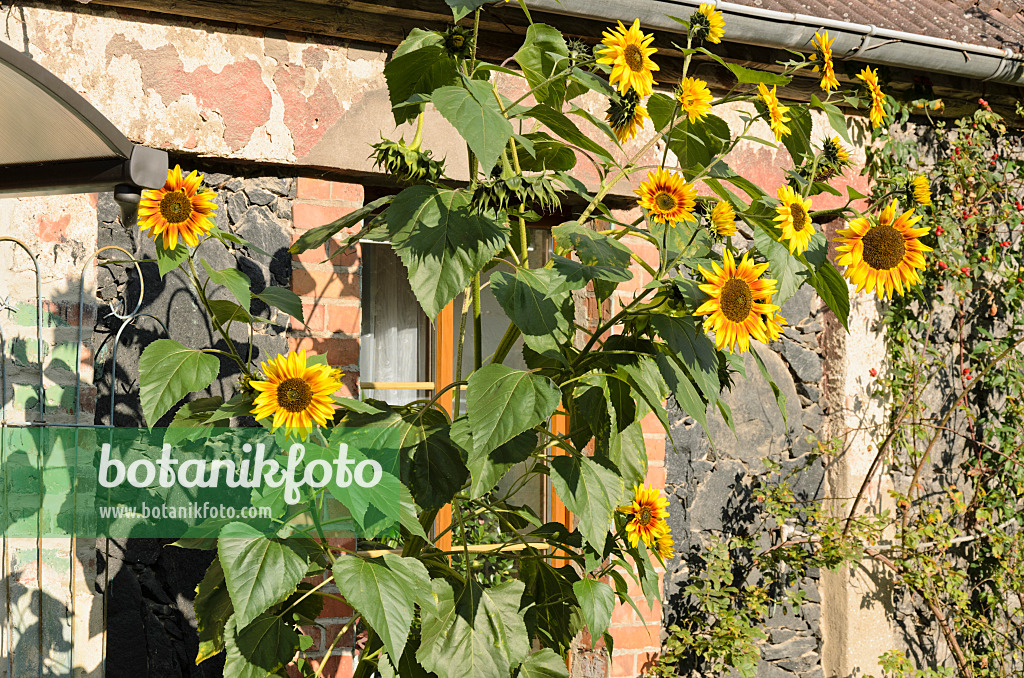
<point x="784" y="30"/>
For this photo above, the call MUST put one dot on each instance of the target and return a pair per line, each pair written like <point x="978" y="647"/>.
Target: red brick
<point x="624" y="666"/>
<point x="635" y="637"/>
<point x="656" y="476"/>
<point x="340" y="352"/>
<point x="649" y="424"/>
<point x="321" y="284"/>
<point x="314" y="189"/>
<point x="655" y="448"/>
<point x="348" y="192"/>
<point x="646" y="251"/>
<point x="315" y="317"/>
<point x="623" y="614"/>
<point x="334" y="608"/>
<point x="316" y="633"/>
<point x="652" y="613"/>
<point x="343" y="319"/>
<point x="305" y="215"/>
<point x="332" y="632"/>
<point x="338" y="666"/>
<point x="645" y="661"/>
<point x="318" y="255"/>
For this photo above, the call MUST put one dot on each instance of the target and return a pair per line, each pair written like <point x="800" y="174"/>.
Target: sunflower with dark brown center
<point x="179" y="209"/>
<point x="627" y="52"/>
<point x="883" y="255"/>
<point x="647" y="515"/>
<point x="795" y="219"/>
<point x="738" y="298"/>
<point x="667" y="197"/>
<point x="297" y="395"/>
<point x="626" y="115"/>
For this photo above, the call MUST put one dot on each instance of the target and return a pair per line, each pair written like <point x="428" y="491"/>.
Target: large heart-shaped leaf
<point x="503" y="402"/>
<point x="487" y="468"/>
<point x="476" y="114"/>
<point x="480" y="634"/>
<point x="283" y="299"/>
<point x="688" y="341"/>
<point x="417" y="71"/>
<point x="595" y="250"/>
<point x="168" y="372"/>
<point x="543" y="664"/>
<point x="538" y="302"/>
<point x="262" y="648"/>
<point x="259" y="572"/>
<point x="441" y="241"/>
<point x="213" y="609"/>
<point x="233" y="279"/>
<point x="384" y="591"/>
<point x="560" y="124"/>
<point x="590" y="490"/>
<point x="542" y="56"/>
<point x="596" y="600"/>
<point x="789" y="271"/>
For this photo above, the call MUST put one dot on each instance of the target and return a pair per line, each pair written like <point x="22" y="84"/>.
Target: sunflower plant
<point x="729" y="253"/>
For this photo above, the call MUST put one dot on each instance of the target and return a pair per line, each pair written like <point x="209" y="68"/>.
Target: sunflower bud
<point x="409" y="165"/>
<point x="459" y="42"/>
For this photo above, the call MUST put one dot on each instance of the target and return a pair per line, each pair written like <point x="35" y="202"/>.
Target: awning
<point x="54" y="141"/>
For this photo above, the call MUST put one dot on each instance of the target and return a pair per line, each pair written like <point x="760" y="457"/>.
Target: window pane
<point x="393" y="346"/>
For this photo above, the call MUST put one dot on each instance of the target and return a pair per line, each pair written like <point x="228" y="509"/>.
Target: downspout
<point x="784" y="30"/>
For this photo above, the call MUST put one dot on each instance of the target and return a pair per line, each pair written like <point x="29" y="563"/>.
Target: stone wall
<point x="710" y="487"/>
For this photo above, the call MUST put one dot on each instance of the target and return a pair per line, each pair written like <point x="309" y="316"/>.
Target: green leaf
<point x="503" y="402"/>
<point x="476" y="114"/>
<point x="227" y="312"/>
<point x="226" y="238"/>
<point x="437" y="470"/>
<point x="283" y="299"/>
<point x="660" y="107"/>
<point x="596" y="600"/>
<point x="233" y="279"/>
<point x="589" y="490"/>
<point x="832" y="288"/>
<point x="487" y="468"/>
<point x="168" y="260"/>
<point x="547" y="153"/>
<point x="696" y="144"/>
<point x="263" y="647"/>
<point x="384" y="591"/>
<point x="557" y="122"/>
<point x="578" y="274"/>
<point x="480" y="634"/>
<point x="168" y="372"/>
<point x="538" y="302"/>
<point x="593" y="249"/>
<point x="441" y="241"/>
<point x="418" y="71"/>
<point x="688" y="341"/>
<point x="542" y="55"/>
<point x="645" y="379"/>
<point x="315" y="237"/>
<point x="410" y="514"/>
<point x="259" y="572"/>
<point x="418" y="38"/>
<point x="798" y="141"/>
<point x="191" y="420"/>
<point x="749" y="75"/>
<point x="685" y="393"/>
<point x="461" y="8"/>
<point x="628" y="452"/>
<point x="543" y="664"/>
<point x="789" y="271"/>
<point x="213" y="609"/>
<point x="835" y="117"/>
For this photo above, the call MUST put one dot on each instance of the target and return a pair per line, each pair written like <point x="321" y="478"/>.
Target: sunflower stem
<point x="194" y="276"/>
<point x="477" y="325"/>
<point x="457" y="405"/>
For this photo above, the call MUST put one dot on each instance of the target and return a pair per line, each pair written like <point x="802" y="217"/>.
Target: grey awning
<point x="54" y="141"/>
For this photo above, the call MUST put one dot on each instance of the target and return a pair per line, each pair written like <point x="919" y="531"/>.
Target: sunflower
<point x="177" y="209"/>
<point x="823" y="53"/>
<point x="774" y="322"/>
<point x="648" y="513"/>
<point x="777" y="117"/>
<point x="707" y="24"/>
<point x="883" y="254"/>
<point x="626" y="115"/>
<point x="723" y="219"/>
<point x="296" y="394"/>
<point x="870" y="78"/>
<point x="795" y="219"/>
<point x="739" y="297"/>
<point x="666" y="197"/>
<point x="922" y="193"/>
<point x="694" y="98"/>
<point x="628" y="54"/>
<point x="833" y="160"/>
<point x="664" y="545"/>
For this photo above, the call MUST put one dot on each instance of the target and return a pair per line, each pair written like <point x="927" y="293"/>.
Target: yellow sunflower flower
<point x="823" y="53"/>
<point x="922" y="193"/>
<point x="774" y="322"/>
<point x="626" y="115"/>
<point x="885" y="254"/>
<point x="707" y="24"/>
<point x="738" y="298"/>
<point x="834" y="160"/>
<point x="664" y="545"/>
<point x="667" y="197"/>
<point x="294" y="393"/>
<point x="694" y="98"/>
<point x="647" y="515"/>
<point x="877" y="112"/>
<point x="179" y="209"/>
<point x="723" y="219"/>
<point x="777" y="117"/>
<point x="627" y="51"/>
<point x="795" y="220"/>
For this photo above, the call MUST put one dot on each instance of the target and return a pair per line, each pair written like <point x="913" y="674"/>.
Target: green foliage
<point x="168" y="372"/>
